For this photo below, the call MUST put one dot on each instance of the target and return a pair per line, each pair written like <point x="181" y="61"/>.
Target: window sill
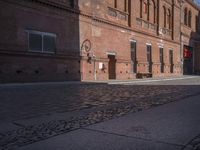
<point x="117" y="13"/>
<point x="186" y="26"/>
<point x="41" y="52"/>
<point x="146" y="24"/>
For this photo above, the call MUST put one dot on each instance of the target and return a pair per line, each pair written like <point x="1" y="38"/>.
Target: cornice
<point x="56" y="5"/>
<point x="193" y="4"/>
<point x="94" y="18"/>
<point x="104" y="21"/>
<point x="166" y="1"/>
<point x="46" y="3"/>
<point x="36" y="54"/>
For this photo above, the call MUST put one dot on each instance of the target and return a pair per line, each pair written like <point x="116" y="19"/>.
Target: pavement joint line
<point x="132" y="137"/>
<point x="189" y="143"/>
<point x="50" y="124"/>
<point x="40" y="83"/>
<point x="93" y="82"/>
<point x="154" y="80"/>
<point x="94" y="118"/>
<point x="18" y="124"/>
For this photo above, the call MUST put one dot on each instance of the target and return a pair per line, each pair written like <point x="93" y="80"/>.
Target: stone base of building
<point x="42" y="68"/>
<point x="32" y="68"/>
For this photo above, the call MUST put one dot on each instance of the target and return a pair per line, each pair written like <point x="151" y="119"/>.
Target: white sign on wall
<point x="100" y="65"/>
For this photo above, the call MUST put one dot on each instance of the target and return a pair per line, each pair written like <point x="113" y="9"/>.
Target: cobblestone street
<point x="78" y="105"/>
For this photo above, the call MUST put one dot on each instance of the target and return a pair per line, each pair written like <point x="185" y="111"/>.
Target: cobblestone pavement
<point x="31" y="101"/>
<point x="107" y="101"/>
<point x="194" y="144"/>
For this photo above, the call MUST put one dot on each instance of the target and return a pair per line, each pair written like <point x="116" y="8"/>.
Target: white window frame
<point x="42" y="34"/>
<point x="149" y="44"/>
<point x="132" y="40"/>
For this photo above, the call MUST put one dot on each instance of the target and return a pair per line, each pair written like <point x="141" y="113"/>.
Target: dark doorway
<point x="171" y="61"/>
<point x="161" y="61"/>
<point x="188" y="60"/>
<point x="112" y="67"/>
<point x="149" y="58"/>
<point x="133" y="56"/>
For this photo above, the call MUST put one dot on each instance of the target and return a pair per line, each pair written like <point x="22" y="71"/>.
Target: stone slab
<point x="175" y="123"/>
<point x="91" y="140"/>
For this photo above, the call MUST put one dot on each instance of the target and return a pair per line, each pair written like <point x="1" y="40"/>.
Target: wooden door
<point x="112" y="67"/>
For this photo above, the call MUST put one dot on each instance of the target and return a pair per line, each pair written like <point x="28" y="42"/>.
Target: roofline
<point x="191" y="2"/>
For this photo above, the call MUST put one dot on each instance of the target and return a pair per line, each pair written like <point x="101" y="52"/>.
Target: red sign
<point x="187" y="53"/>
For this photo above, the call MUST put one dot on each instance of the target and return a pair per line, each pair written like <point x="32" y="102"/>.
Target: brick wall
<point x="87" y="33"/>
<point x="18" y="63"/>
<point x="108" y="33"/>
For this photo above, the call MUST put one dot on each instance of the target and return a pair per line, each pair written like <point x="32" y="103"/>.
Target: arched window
<point x="141" y="7"/>
<point x="72" y="3"/>
<point x="154" y="15"/>
<point x="189" y="18"/>
<point x="115" y="3"/>
<point x="185" y="16"/>
<point x="168" y="19"/>
<point x="164" y="16"/>
<point x="197" y="23"/>
<point x="145" y="7"/>
<point x="148" y="10"/>
<point x="125" y="6"/>
<point x="152" y="11"/>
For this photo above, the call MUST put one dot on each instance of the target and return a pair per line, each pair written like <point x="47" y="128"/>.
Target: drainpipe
<point x="181" y="43"/>
<point x="95" y="74"/>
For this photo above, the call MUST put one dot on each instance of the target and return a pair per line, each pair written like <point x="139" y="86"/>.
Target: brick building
<point x="47" y="40"/>
<point x="190" y="38"/>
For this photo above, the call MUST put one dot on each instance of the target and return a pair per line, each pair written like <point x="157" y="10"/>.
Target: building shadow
<point x="39" y="41"/>
<point x="191" y="52"/>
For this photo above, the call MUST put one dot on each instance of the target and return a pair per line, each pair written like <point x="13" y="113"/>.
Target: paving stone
<point x="103" y="102"/>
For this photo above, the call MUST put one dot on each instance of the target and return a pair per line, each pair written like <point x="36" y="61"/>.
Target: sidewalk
<point x="30" y="113"/>
<point x="129" y="81"/>
<point x="167" y="127"/>
<point x="151" y="80"/>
